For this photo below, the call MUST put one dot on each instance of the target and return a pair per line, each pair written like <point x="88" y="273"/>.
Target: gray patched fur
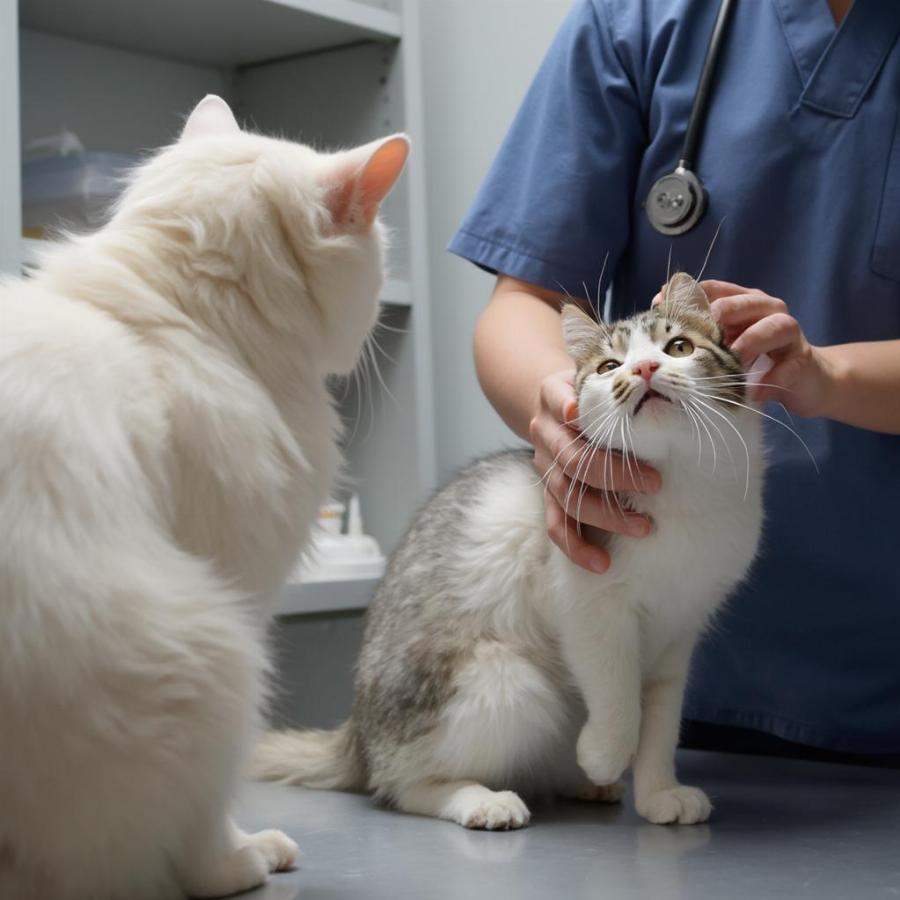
<point x="416" y="637"/>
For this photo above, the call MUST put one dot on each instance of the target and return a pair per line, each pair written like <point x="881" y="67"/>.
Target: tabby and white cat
<point x="493" y="664"/>
<point x="165" y="439"/>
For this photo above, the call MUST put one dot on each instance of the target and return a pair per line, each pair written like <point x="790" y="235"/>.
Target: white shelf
<point x="214" y="32"/>
<point x="396" y="293"/>
<point x="326" y="596"/>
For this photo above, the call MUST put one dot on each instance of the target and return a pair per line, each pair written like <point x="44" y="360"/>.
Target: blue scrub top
<point x="801" y="158"/>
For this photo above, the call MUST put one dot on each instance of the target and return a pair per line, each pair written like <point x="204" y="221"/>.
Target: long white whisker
<point x="692" y="416"/>
<point x="578" y="437"/>
<point x="600" y="282"/>
<point x="586" y="458"/>
<point x="721" y="435"/>
<point x="712" y="244"/>
<point x="732" y="426"/>
<point x="584" y="455"/>
<point x="770" y="418"/>
<point x="712" y="443"/>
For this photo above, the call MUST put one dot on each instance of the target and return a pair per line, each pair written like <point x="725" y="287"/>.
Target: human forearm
<point x="863" y="384"/>
<point x="518" y="343"/>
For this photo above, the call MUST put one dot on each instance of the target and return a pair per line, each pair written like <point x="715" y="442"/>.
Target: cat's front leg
<point x="659" y="797"/>
<point x="600" y="643"/>
<point x="243" y="863"/>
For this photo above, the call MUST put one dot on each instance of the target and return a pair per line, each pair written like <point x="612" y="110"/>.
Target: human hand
<point x="755" y="323"/>
<point x="560" y="459"/>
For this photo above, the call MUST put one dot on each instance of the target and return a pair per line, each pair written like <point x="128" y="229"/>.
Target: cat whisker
<point x="712" y="443"/>
<point x="600" y="282"/>
<point x="693" y="417"/>
<point x="579" y="436"/>
<point x="384" y="327"/>
<point x="587" y="455"/>
<point x="732" y="426"/>
<point x="583" y="489"/>
<point x="703" y="416"/>
<point x="712" y="244"/>
<point x="771" y="419"/>
<point x="631" y="475"/>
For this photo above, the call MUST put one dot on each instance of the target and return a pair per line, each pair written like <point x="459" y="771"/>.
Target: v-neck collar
<point x="837" y="65"/>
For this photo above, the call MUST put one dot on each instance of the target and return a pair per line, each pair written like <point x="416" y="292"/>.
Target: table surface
<point x="781" y="828"/>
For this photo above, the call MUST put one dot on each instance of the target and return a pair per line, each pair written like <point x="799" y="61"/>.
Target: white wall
<point x="478" y="59"/>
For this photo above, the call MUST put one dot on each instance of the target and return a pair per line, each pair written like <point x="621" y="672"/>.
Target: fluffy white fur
<point x="165" y="439"/>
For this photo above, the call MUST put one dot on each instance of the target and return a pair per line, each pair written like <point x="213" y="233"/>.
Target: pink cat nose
<point x="645" y="369"/>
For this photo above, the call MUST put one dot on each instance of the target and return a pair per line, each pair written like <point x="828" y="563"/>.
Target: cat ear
<point x="684" y="290"/>
<point x="581" y="332"/>
<point x="211" y="116"/>
<point x="362" y="178"/>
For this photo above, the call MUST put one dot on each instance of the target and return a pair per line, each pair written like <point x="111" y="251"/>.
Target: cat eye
<point x="608" y="366"/>
<point x="679" y="346"/>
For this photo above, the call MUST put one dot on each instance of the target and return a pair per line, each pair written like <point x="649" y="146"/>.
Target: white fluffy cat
<point x="165" y="439"/>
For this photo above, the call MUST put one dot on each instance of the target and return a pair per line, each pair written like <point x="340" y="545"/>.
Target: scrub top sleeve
<point x="558" y="196"/>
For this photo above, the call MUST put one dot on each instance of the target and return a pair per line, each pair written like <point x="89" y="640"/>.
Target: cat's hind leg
<point x="499" y="730"/>
<point x="467" y="803"/>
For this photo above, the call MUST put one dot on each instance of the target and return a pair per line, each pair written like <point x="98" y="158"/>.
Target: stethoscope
<point x="677" y="201"/>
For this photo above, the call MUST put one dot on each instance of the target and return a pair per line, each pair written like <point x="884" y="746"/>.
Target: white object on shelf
<point x="74" y="190"/>
<point x="340" y="557"/>
<point x="326" y="596"/>
<point x="396" y="292"/>
<point x="214" y="32"/>
<point x="61" y="144"/>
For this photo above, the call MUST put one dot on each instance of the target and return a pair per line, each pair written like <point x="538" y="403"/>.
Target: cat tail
<point x="329" y="760"/>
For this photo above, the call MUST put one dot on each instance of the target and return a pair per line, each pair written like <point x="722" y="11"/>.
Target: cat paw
<point x="240" y="870"/>
<point x="602" y="759"/>
<point x="676" y="805"/>
<point x="589" y="792"/>
<point x="279" y="851"/>
<point x="502" y="811"/>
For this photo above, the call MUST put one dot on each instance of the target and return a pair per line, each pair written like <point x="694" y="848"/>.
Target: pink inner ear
<point x="364" y="178"/>
<point x="380" y="173"/>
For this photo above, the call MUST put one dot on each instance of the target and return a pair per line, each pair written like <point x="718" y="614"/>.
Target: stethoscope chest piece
<point x="676" y="202"/>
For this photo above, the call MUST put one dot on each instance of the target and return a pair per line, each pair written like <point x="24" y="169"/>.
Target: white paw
<point x="597" y="793"/>
<point x="601" y="757"/>
<point x="677" y="805"/>
<point x="241" y="870"/>
<point x="279" y="850"/>
<point x="501" y="811"/>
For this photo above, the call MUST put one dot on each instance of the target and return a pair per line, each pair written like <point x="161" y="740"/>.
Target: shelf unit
<point x="326" y="596"/>
<point x="122" y="74"/>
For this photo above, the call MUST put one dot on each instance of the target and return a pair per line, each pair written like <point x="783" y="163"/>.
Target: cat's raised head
<point x="267" y="234"/>
<point x="649" y="379"/>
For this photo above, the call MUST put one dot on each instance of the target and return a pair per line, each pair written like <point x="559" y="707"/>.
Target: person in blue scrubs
<point x="801" y="159"/>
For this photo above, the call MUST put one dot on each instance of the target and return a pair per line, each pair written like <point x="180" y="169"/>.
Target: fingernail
<point x="598" y="564"/>
<point x="638" y="526"/>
